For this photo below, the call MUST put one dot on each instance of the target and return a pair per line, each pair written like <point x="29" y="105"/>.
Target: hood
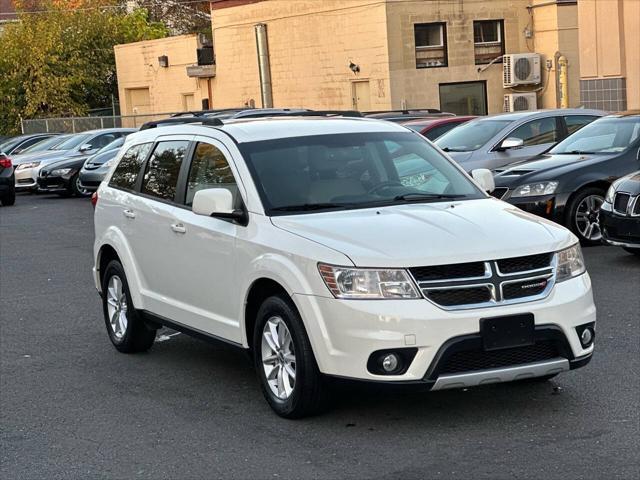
<point x="101" y="158"/>
<point x="547" y="167"/>
<point x="73" y="162"/>
<point x="629" y="184"/>
<point x="49" y="155"/>
<point x="430" y="233"/>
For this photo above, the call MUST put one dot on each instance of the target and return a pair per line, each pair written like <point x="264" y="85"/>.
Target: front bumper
<point x="54" y="183"/>
<point x="619" y="230"/>
<point x="546" y="206"/>
<point x="91" y="179"/>
<point x="345" y="333"/>
<point x="27" y="179"/>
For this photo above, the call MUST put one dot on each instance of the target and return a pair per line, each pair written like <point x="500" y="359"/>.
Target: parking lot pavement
<point x="72" y="407"/>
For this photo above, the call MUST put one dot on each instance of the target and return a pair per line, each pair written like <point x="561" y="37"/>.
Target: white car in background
<point x="310" y="243"/>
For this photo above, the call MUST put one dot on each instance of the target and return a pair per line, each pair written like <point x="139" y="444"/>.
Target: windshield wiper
<point x="416" y="197"/>
<point x="449" y="149"/>
<point x="577" y="152"/>
<point x="309" y="206"/>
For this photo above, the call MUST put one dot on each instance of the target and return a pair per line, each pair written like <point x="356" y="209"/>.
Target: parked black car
<point x="620" y="214"/>
<point x="7" y="181"/>
<point x="568" y="184"/>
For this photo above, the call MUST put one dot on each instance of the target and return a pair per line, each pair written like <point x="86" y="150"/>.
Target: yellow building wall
<point x="169" y="89"/>
<point x="311" y="43"/>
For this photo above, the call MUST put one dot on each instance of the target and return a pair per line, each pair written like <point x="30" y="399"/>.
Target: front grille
<point x="636" y="209"/>
<point x="522" y="289"/>
<point x="485" y="284"/>
<point x="499" y="192"/>
<point x="449" y="272"/>
<point x="454" y="297"/>
<point x="621" y="202"/>
<point x="474" y="360"/>
<point x="25" y="180"/>
<point x="523" y="264"/>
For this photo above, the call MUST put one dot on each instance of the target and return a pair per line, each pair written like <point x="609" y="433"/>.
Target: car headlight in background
<point x="24" y="166"/>
<point x="364" y="283"/>
<point x="108" y="164"/>
<point x="535" y="189"/>
<point x="570" y="263"/>
<point x="60" y="172"/>
<point x="610" y="194"/>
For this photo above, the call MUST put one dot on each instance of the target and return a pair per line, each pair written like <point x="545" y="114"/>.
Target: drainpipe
<point x="564" y="81"/>
<point x="264" y="66"/>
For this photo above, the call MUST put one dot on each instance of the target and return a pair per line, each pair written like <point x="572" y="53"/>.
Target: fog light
<point x="390" y="362"/>
<point x="586" y="337"/>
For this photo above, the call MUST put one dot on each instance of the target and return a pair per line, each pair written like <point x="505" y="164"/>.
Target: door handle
<point x="179" y="228"/>
<point x="129" y="213"/>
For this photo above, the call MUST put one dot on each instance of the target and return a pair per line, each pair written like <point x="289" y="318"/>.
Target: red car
<point x="432" y="128"/>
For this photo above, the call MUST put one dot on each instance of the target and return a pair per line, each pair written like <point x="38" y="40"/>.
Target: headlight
<point x="610" y="194"/>
<point x="60" y="172"/>
<point x="359" y="283"/>
<point x="535" y="189"/>
<point x="24" y="166"/>
<point x="570" y="263"/>
<point x="108" y="164"/>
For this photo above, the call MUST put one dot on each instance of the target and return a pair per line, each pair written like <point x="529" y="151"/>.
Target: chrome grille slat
<point x="492" y="289"/>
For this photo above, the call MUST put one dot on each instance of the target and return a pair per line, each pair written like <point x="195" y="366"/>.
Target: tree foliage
<point x="61" y="61"/>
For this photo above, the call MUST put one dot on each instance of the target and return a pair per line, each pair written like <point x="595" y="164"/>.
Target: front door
<point x="361" y="96"/>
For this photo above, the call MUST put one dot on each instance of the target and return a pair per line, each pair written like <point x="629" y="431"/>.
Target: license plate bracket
<point x="507" y="331"/>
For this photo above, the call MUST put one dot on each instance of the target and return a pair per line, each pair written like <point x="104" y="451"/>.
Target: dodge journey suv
<point x="334" y="247"/>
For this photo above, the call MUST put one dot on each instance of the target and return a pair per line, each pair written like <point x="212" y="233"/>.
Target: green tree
<point x="61" y="62"/>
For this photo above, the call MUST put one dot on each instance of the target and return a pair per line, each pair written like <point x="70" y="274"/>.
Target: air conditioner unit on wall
<point x="520" y="102"/>
<point x="521" y="69"/>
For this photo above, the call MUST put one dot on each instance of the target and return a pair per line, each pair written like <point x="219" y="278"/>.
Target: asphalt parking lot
<point x="72" y="407"/>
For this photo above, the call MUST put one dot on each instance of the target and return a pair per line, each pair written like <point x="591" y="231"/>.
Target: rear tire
<point x="126" y="328"/>
<point x="635" y="251"/>
<point x="290" y="397"/>
<point x="9" y="199"/>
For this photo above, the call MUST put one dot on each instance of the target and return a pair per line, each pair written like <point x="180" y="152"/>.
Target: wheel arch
<point x="596" y="183"/>
<point x="261" y="289"/>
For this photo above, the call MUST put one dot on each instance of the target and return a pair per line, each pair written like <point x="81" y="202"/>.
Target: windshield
<point x="72" y="142"/>
<point x="10" y="144"/>
<point x="470" y="136"/>
<point x="354" y="170"/>
<point x="117" y="143"/>
<point x="606" y="135"/>
<point x="46" y="144"/>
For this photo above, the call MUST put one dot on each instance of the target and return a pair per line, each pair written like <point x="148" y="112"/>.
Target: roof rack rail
<point x="201" y="113"/>
<point x="211" y="122"/>
<point x="299" y="113"/>
<point x="405" y="111"/>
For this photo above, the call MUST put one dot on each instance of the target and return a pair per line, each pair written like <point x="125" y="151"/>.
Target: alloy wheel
<point x="83" y="191"/>
<point x="117" y="307"/>
<point x="278" y="357"/>
<point x="587" y="217"/>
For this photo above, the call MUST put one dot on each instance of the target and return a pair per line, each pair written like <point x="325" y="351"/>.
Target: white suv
<point x="334" y="247"/>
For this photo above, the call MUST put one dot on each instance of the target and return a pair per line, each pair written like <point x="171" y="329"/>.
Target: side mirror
<point x="511" y="142"/>
<point x="86" y="147"/>
<point x="484" y="178"/>
<point x="217" y="203"/>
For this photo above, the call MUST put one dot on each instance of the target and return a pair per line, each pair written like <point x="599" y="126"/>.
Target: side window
<point x="126" y="173"/>
<point x="28" y="143"/>
<point x="161" y="175"/>
<point x="537" y="132"/>
<point x="209" y="169"/>
<point x="576" y="122"/>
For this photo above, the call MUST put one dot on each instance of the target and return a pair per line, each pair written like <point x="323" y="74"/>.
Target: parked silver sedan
<point x="499" y="140"/>
<point x="96" y="167"/>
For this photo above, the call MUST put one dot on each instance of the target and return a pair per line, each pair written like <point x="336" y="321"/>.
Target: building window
<point x="464" y="98"/>
<point x="488" y="40"/>
<point x="431" y="45"/>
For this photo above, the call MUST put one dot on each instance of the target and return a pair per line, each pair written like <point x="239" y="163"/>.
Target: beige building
<point x="610" y="54"/>
<point x="362" y="54"/>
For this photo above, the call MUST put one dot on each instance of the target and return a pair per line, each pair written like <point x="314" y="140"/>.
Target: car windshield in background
<point x="46" y="144"/>
<point x="470" y="136"/>
<point x="606" y="135"/>
<point x="117" y="143"/>
<point x="354" y="170"/>
<point x="73" y="142"/>
<point x="9" y="144"/>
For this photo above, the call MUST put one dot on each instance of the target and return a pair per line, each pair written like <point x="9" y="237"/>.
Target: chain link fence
<point x="82" y="124"/>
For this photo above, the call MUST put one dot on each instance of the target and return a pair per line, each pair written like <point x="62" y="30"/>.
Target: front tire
<point x="286" y="367"/>
<point x="127" y="330"/>
<point x="583" y="213"/>
<point x="76" y="189"/>
<point x="9" y="199"/>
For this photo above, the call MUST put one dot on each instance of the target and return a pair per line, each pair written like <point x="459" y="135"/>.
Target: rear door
<point x="204" y="274"/>
<point x="538" y="135"/>
<point x="151" y="214"/>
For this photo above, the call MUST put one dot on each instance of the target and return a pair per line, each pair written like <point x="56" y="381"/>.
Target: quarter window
<point x="126" y="173"/>
<point x="431" y="45"/>
<point x="488" y="41"/>
<point x="209" y="169"/>
<point x="537" y="132"/>
<point x="161" y="175"/>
